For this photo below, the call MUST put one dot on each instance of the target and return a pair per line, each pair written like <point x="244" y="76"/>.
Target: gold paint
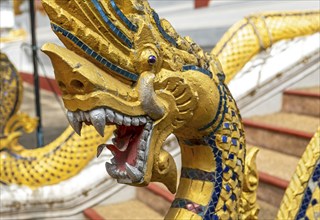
<point x="176" y="213"/>
<point x="198" y="157"/>
<point x="313" y="211"/>
<point x="11" y="131"/>
<point x="248" y="204"/>
<point x="62" y="159"/>
<point x="166" y="171"/>
<point x="195" y="190"/>
<point x="96" y="90"/>
<point x="189" y="99"/>
<point x="258" y="32"/>
<point x="294" y="193"/>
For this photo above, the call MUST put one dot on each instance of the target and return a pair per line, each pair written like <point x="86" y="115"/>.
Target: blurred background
<point x="277" y="91"/>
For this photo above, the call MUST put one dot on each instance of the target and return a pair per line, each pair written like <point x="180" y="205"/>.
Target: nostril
<point x="76" y="84"/>
<point x="62" y="86"/>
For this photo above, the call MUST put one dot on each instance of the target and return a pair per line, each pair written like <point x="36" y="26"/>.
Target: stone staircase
<point x="281" y="137"/>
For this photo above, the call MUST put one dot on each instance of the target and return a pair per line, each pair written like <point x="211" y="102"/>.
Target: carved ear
<point x="165" y="171"/>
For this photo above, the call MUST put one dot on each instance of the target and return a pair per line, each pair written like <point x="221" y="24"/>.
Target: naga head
<point x="124" y="66"/>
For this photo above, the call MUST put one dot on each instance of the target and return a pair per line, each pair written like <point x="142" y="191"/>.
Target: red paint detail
<point x="272" y="180"/>
<point x="302" y="93"/>
<point x="287" y="131"/>
<point x="161" y="192"/>
<point x="92" y="214"/>
<point x="43" y="82"/>
<point x="201" y="3"/>
<point x="126" y="145"/>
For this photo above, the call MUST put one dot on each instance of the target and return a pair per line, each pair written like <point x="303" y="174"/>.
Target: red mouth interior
<point x="126" y="145"/>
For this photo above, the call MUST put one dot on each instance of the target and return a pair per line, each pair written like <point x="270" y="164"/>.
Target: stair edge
<point x="273" y="180"/>
<point x="91" y="214"/>
<point x="301" y="93"/>
<point x="288" y="131"/>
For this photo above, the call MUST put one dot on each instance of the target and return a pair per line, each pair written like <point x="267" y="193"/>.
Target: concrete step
<point x="133" y="209"/>
<point x="267" y="211"/>
<point x="288" y="133"/>
<point x="156" y="196"/>
<point x="275" y="172"/>
<point x="302" y="101"/>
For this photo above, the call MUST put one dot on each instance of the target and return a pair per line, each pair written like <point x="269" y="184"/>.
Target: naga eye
<point x="152" y="59"/>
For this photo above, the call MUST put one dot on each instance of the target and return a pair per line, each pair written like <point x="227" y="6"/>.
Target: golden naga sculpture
<point x="124" y="66"/>
<point x="128" y="68"/>
<point x="132" y="70"/>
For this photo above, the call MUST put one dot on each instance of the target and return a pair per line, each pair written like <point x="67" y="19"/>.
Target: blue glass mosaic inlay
<point x="113" y="28"/>
<point x="221" y="100"/>
<point x="315" y="179"/>
<point x="127" y="22"/>
<point x="92" y="53"/>
<point x="218" y="178"/>
<point x="197" y="174"/>
<point x="196" y="68"/>
<point x="162" y="31"/>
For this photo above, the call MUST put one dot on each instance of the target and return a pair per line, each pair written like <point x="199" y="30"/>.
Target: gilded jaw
<point x="130" y="143"/>
<point x="101" y="100"/>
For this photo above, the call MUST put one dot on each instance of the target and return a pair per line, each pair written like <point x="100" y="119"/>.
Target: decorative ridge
<point x="93" y="54"/>
<point x="127" y="22"/>
<point x="162" y="31"/>
<point x="113" y="28"/>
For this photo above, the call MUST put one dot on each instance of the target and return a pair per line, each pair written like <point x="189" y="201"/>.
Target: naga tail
<point x="257" y="32"/>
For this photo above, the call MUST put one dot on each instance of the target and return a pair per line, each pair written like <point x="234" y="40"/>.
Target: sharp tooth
<point x="141" y="155"/>
<point x="134" y="174"/>
<point x="123" y="174"/>
<point x="98" y="120"/>
<point x="110" y="115"/>
<point x="113" y="161"/>
<point x="142" y="120"/>
<point x="148" y="127"/>
<point x="82" y="116"/>
<point x="87" y="116"/>
<point x="127" y="121"/>
<point x="78" y="116"/>
<point x="75" y="124"/>
<point x="100" y="149"/>
<point x="140" y="164"/>
<point x="135" y="122"/>
<point x="143" y="144"/>
<point x="145" y="135"/>
<point x="118" y="119"/>
<point x="112" y="170"/>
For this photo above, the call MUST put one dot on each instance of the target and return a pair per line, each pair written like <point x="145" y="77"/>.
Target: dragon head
<point x="124" y="66"/>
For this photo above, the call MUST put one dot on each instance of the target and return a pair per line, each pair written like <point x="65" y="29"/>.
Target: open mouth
<point x="130" y="142"/>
